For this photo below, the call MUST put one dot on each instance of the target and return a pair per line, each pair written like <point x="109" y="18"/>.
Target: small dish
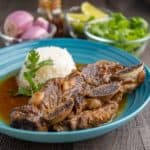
<point x="76" y="26"/>
<point x="138" y="45"/>
<point x="83" y="52"/>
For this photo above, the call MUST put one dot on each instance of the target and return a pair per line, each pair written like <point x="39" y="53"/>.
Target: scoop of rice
<point x="63" y="65"/>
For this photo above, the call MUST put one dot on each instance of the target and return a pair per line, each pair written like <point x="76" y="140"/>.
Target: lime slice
<point x="77" y="16"/>
<point x="90" y="10"/>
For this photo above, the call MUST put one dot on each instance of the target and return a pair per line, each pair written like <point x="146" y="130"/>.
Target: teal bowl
<point x="11" y="58"/>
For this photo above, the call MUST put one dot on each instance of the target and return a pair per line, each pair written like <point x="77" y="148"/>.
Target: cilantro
<point x="24" y="91"/>
<point x="32" y="65"/>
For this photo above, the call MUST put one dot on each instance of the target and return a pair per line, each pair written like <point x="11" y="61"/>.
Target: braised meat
<point x="100" y="72"/>
<point x="86" y="98"/>
<point x="89" y="118"/>
<point x="28" y="117"/>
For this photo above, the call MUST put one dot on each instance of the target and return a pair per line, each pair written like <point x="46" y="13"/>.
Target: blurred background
<point x="129" y="8"/>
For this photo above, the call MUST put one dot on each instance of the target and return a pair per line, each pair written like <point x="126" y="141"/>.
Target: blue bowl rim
<point x="103" y="127"/>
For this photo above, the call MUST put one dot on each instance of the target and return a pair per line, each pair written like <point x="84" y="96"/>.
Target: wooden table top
<point x="135" y="135"/>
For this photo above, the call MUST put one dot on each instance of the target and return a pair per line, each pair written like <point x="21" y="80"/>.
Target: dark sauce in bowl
<point x="8" y="100"/>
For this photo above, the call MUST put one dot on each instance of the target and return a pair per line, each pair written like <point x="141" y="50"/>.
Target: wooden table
<point x="133" y="136"/>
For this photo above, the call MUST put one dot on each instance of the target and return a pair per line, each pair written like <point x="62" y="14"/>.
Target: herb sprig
<point x="32" y="65"/>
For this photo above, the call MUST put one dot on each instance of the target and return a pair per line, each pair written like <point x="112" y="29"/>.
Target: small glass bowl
<point x="8" y="40"/>
<point x="75" y="26"/>
<point x="137" y="46"/>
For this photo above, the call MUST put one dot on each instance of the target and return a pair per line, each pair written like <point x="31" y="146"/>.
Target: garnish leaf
<point x="32" y="65"/>
<point x="24" y="91"/>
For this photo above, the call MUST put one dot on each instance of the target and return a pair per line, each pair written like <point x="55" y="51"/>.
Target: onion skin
<point x="42" y="23"/>
<point x="17" y="23"/>
<point x="34" y="32"/>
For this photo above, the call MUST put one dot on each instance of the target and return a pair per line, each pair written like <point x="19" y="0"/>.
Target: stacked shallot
<point x="22" y="24"/>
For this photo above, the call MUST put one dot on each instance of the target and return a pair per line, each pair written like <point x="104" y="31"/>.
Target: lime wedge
<point x="90" y="10"/>
<point x="77" y="16"/>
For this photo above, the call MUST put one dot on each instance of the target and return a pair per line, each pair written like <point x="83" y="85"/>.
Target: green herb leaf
<point x="43" y="63"/>
<point x="33" y="65"/>
<point x="24" y="91"/>
<point x="29" y="77"/>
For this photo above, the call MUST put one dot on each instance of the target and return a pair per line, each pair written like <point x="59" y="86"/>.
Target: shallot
<point x="17" y="23"/>
<point x="42" y="23"/>
<point x="34" y="32"/>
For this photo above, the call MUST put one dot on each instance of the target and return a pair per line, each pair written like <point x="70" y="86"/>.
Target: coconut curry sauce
<point x="8" y="101"/>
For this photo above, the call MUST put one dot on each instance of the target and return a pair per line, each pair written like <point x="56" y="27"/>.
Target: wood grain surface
<point x="135" y="135"/>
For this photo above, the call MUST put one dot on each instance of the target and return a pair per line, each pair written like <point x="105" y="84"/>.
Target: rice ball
<point x="63" y="65"/>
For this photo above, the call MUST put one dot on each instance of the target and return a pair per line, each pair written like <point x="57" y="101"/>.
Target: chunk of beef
<point x="100" y="72"/>
<point x="89" y="118"/>
<point x="105" y="90"/>
<point x="28" y="117"/>
<point x="59" y="113"/>
<point x="131" y="77"/>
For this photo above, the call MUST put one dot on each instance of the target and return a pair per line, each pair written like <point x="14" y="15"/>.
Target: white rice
<point x="63" y="65"/>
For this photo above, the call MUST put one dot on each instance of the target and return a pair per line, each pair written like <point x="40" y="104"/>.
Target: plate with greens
<point x="130" y="34"/>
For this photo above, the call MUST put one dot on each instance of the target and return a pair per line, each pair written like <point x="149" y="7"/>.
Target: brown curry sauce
<point x="7" y="100"/>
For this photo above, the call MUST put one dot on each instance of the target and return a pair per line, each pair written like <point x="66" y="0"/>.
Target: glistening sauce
<point x="7" y="100"/>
